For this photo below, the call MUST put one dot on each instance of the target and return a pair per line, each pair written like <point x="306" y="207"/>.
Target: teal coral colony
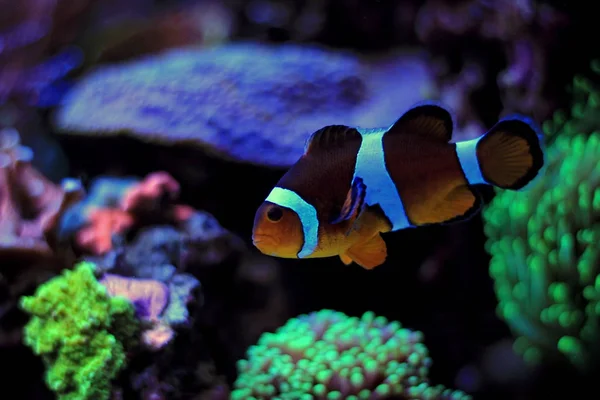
<point x="329" y="355"/>
<point x="81" y="333"/>
<point x="544" y="243"/>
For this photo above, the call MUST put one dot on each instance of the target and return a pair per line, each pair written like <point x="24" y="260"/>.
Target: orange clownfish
<point x="351" y="184"/>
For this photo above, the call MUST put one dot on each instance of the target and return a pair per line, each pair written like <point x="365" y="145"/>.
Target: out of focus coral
<point x="33" y="35"/>
<point x="82" y="334"/>
<point x="31" y="251"/>
<point x="203" y="23"/>
<point x="245" y="102"/>
<point x="150" y="298"/>
<point x="160" y="292"/>
<point x="142" y="204"/>
<point x="30" y="205"/>
<point x="328" y="355"/>
<point x="543" y="243"/>
<point x="526" y="30"/>
<point x="202" y="326"/>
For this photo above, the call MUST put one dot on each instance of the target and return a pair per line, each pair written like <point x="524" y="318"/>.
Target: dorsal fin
<point x="426" y="119"/>
<point x="330" y="137"/>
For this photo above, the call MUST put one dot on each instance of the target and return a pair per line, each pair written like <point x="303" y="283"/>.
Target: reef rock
<point x="246" y="102"/>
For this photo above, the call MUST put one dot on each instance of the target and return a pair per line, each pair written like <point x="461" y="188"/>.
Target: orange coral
<point x="103" y="223"/>
<point x="142" y="204"/>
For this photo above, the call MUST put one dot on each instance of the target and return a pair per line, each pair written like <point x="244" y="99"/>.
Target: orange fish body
<point x="352" y="184"/>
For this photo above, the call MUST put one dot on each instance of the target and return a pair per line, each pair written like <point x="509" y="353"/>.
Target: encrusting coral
<point x="544" y="245"/>
<point x="328" y="355"/>
<point x="82" y="334"/>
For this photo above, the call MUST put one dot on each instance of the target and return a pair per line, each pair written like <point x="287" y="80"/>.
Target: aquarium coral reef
<point x="138" y="143"/>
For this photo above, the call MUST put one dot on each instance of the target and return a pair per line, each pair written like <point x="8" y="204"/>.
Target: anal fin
<point x="345" y="259"/>
<point x="369" y="254"/>
<point x="458" y="205"/>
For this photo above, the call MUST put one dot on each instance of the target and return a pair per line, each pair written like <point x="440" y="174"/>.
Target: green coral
<point x="544" y="244"/>
<point x="81" y="333"/>
<point x="328" y="355"/>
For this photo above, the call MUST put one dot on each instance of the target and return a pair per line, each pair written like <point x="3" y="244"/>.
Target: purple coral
<point x="150" y="298"/>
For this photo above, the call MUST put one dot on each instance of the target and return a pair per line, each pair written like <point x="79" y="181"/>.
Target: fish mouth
<point x="262" y="241"/>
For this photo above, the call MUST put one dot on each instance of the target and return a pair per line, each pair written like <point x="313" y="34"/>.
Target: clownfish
<point x="352" y="184"/>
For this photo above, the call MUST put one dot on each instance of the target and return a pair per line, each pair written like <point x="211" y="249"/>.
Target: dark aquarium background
<point x="139" y="137"/>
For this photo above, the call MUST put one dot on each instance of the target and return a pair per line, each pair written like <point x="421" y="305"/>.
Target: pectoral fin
<point x="368" y="254"/>
<point x="354" y="204"/>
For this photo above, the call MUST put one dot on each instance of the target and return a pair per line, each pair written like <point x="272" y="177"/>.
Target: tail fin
<point x="510" y="154"/>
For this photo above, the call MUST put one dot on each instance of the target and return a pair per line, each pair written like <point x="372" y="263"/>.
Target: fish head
<point x="277" y="231"/>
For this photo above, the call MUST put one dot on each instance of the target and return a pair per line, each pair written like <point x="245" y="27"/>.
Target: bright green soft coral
<point x="81" y="333"/>
<point x="328" y="355"/>
<point x="544" y="244"/>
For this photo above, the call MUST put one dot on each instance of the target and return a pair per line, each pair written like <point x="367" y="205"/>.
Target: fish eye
<point x="274" y="214"/>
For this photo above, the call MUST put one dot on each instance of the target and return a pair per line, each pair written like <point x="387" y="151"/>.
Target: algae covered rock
<point x="247" y="102"/>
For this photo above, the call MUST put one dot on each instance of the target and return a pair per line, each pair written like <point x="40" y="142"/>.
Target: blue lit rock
<point x="245" y="102"/>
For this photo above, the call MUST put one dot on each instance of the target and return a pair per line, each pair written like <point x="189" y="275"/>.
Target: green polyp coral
<point x="328" y="355"/>
<point x="81" y="333"/>
<point x="544" y="246"/>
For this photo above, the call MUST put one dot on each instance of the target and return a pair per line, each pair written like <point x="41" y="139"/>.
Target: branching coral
<point x="30" y="205"/>
<point x="328" y="355"/>
<point x="82" y="334"/>
<point x="544" y="246"/>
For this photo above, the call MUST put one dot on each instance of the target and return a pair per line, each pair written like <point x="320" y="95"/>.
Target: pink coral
<point x="148" y="194"/>
<point x="30" y="205"/>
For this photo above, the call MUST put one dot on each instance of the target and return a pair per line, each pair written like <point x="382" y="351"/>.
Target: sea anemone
<point x="543" y="243"/>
